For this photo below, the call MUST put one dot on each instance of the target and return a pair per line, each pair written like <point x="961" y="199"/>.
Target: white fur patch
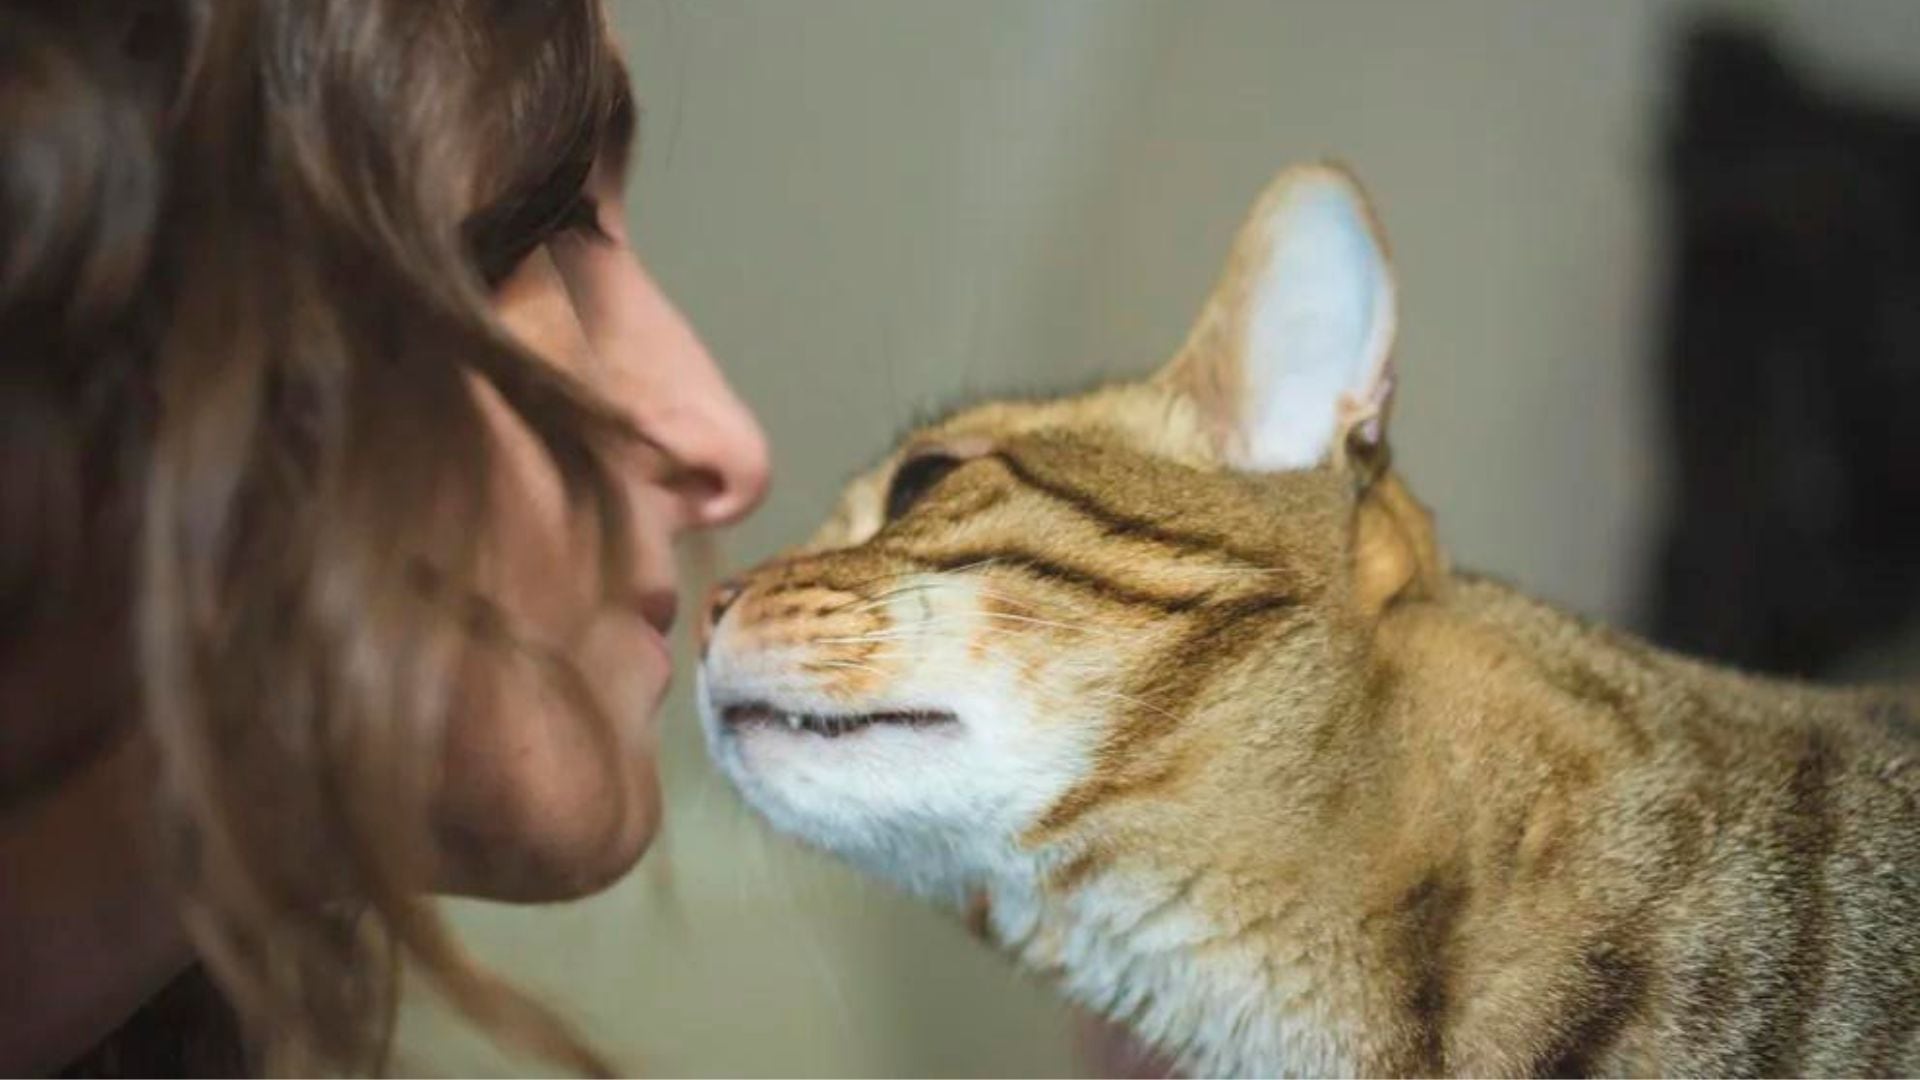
<point x="935" y="809"/>
<point x="1319" y="329"/>
<point x="1142" y="949"/>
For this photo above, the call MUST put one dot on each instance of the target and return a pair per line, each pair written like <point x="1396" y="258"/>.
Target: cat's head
<point x="1036" y="621"/>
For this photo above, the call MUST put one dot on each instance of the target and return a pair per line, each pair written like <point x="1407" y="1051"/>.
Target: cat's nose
<point x="722" y="598"/>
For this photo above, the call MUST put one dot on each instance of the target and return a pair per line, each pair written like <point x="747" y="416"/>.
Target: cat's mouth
<point x="829" y="725"/>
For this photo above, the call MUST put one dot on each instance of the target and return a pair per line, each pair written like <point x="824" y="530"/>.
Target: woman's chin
<point x="574" y="853"/>
<point x="551" y="796"/>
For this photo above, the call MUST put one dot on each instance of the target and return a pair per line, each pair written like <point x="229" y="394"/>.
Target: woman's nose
<point x="717" y="454"/>
<point x="653" y="365"/>
<point x="720" y="468"/>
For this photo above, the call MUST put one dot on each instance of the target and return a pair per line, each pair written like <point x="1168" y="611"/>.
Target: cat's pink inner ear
<point x="1290" y="356"/>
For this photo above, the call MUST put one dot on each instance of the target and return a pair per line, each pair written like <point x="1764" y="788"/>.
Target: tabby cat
<point x="1170" y="686"/>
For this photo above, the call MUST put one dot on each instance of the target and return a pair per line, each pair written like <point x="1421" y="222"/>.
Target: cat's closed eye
<point x="914" y="478"/>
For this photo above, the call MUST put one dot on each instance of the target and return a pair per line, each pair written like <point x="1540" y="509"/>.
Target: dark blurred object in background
<point x="1791" y="365"/>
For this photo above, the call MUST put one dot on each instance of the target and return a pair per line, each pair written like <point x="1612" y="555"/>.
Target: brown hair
<point x="246" y="247"/>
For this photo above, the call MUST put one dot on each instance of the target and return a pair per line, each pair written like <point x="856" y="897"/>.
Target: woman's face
<point x="535" y="804"/>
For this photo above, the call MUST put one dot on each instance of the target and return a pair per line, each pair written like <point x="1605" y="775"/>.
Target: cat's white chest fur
<point x="1141" y="952"/>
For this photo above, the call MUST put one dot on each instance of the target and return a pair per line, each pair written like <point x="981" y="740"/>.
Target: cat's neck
<point x="1267" y="928"/>
<point x="1247" y="936"/>
<point x="1221" y="991"/>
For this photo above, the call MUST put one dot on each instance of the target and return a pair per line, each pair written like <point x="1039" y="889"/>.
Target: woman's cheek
<point x="541" y="801"/>
<point x="549" y="786"/>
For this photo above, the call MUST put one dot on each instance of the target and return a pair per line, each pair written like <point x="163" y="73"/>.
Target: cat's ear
<point x="1290" y="361"/>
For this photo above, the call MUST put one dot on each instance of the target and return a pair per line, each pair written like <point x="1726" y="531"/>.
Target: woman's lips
<point x="656" y="606"/>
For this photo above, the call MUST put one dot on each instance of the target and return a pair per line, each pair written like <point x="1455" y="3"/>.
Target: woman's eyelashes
<point x="499" y="251"/>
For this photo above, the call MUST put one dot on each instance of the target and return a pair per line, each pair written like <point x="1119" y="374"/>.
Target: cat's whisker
<point x="931" y="581"/>
<point x="1022" y="602"/>
<point x="935" y="580"/>
<point x="911" y="632"/>
<point x="883" y="598"/>
<point x="1031" y="602"/>
<point x="836" y="662"/>
<point x="1010" y="617"/>
<point x="846" y="665"/>
<point x="1116" y="695"/>
<point x="871" y="638"/>
<point x="961" y="569"/>
<point x="921" y="628"/>
<point x="975" y="565"/>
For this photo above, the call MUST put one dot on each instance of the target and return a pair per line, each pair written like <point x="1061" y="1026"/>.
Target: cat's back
<point x="1668" y="695"/>
<point x="1751" y="848"/>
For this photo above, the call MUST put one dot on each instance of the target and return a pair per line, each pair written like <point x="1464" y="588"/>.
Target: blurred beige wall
<point x="870" y="208"/>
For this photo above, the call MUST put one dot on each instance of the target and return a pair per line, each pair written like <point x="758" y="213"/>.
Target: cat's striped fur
<point x="1188" y="708"/>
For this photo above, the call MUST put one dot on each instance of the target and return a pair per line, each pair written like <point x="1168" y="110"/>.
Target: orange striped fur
<point x="1171" y="689"/>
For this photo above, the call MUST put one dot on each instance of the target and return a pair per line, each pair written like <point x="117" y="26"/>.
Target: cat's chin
<point x="753" y="716"/>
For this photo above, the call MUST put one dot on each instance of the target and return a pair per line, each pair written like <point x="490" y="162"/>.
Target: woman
<point x="343" y="444"/>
